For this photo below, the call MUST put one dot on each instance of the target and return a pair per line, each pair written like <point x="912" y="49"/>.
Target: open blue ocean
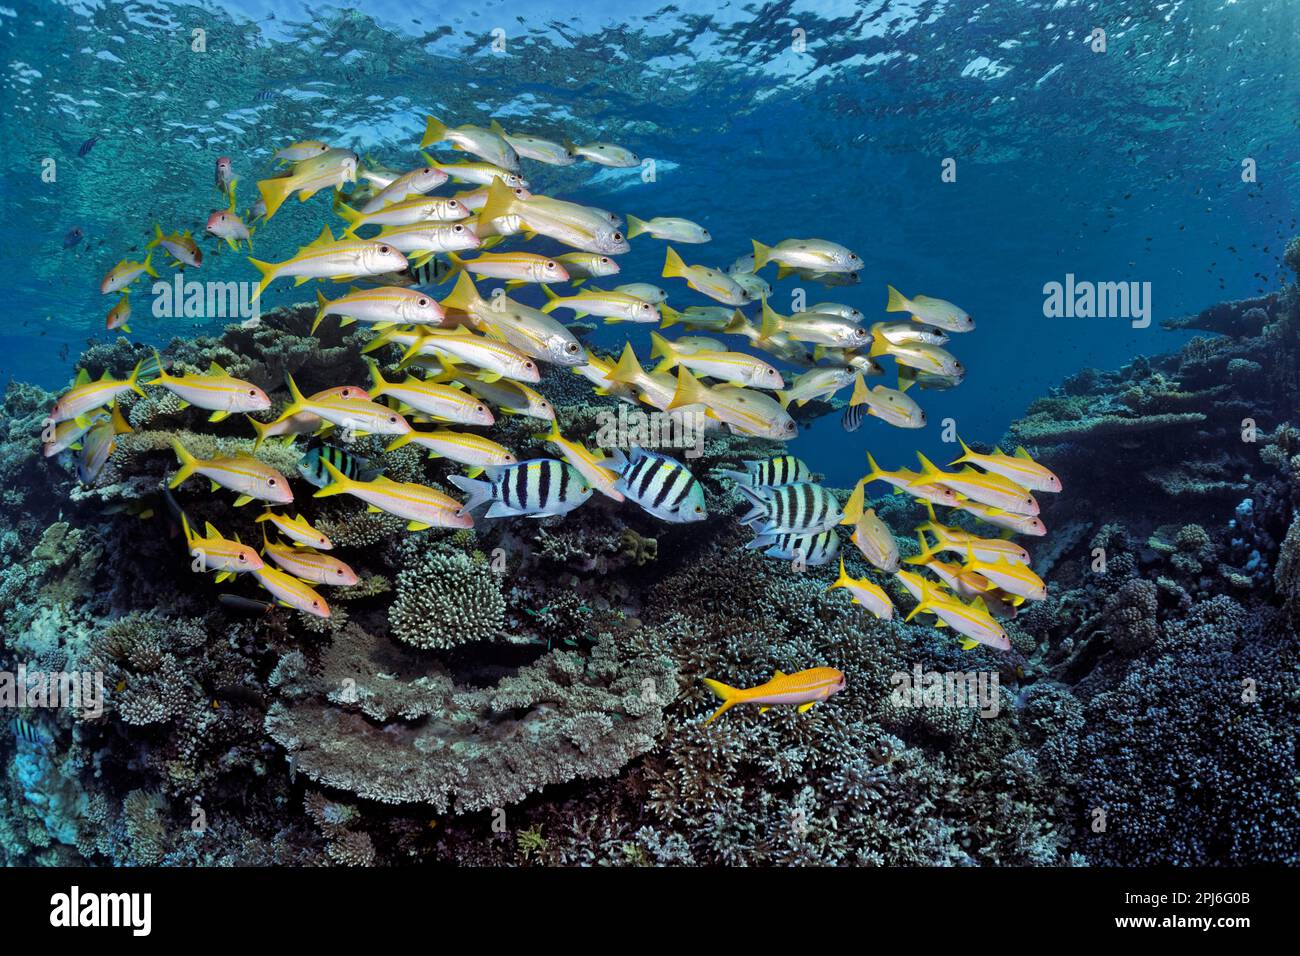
<point x="308" y="591"/>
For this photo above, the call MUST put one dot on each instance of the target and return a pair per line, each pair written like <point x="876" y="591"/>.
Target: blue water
<point x="1114" y="166"/>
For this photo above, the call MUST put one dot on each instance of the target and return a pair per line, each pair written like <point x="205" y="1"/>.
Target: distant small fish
<point x="27" y="732"/>
<point x="88" y="145"/>
<point x="237" y="602"/>
<point x="74" y="236"/>
<point x="266" y="95"/>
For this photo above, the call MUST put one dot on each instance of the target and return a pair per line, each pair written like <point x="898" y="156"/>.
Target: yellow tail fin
<point x="434" y="131"/>
<point x="670" y="316"/>
<point x="627" y="370"/>
<point x="634" y="226"/>
<point x="843" y="580"/>
<point x="727" y="694"/>
<point x="660" y="347"/>
<point x="189" y="464"/>
<point x="464" y="294"/>
<point x="762" y="254"/>
<point x="897" y="301"/>
<point x="771" y="321"/>
<point x="274" y="193"/>
<point x="501" y="199"/>
<point x="689" y="390"/>
<point x="674" y="267"/>
<point x="378" y="385"/>
<point x="853" y="507"/>
<point x="268" y="271"/>
<point x="340" y="485"/>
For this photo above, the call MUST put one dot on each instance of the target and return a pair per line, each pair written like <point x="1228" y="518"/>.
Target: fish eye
<point x="479" y="408"/>
<point x="315" y="604"/>
<point x="549" y="265"/>
<point x="571" y="347"/>
<point x="699" y="510"/>
<point x="253" y="392"/>
<point x="424" y="301"/>
<point x="383" y="249"/>
<point x="242" y="559"/>
<point x="618" y="237"/>
<point x="529" y="365"/>
<point x="604" y="260"/>
<point x="458" y="228"/>
<point x="392" y="419"/>
<point x="426" y="170"/>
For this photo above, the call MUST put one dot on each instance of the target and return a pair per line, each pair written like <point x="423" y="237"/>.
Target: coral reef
<point x="529" y="692"/>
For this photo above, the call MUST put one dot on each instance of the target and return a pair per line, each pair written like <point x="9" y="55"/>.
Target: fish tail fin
<point x="726" y="693"/>
<point x="762" y="254"/>
<point x="479" y="492"/>
<point x="966" y="453"/>
<point x="268" y="272"/>
<point x="552" y="298"/>
<point x="189" y="532"/>
<point x="635" y="226"/>
<point x="378" y="384"/>
<point x="689" y="391"/>
<point x="843" y="580"/>
<point x="757" y="503"/>
<point x="853" y="507"/>
<point x="876" y="471"/>
<point x="133" y="380"/>
<point x="434" y="131"/>
<point x="296" y="399"/>
<point x="660" y="347"/>
<point x="771" y="321"/>
<point x="274" y="192"/>
<point x="464" y="294"/>
<point x="188" y="463"/>
<point x="784" y="398"/>
<point x="500" y="200"/>
<point x="148" y="266"/>
<point x="352" y="217"/>
<point x="340" y="485"/>
<point x="399" y="441"/>
<point x="157" y="237"/>
<point x="897" y="302"/>
<point x="322" y="304"/>
<point x="674" y="267"/>
<point x="670" y="316"/>
<point x="262" y="429"/>
<point x="906" y="377"/>
<point x="926" y="554"/>
<point x="627" y="369"/>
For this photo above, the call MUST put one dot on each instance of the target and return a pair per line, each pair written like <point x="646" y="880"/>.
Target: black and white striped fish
<point x="815" y="549"/>
<point x="539" y="488"/>
<point x="770" y="472"/>
<point x="853" y="416"/>
<point x="799" y="508"/>
<point x="27" y="732"/>
<point x="663" y="486"/>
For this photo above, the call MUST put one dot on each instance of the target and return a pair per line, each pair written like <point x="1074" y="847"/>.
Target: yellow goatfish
<point x="1012" y="521"/>
<point x="1011" y="576"/>
<point x="494" y="359"/>
<point x="867" y="593"/>
<point x="86" y="396"/>
<point x="243" y="474"/>
<point x="1019" y="468"/>
<point x="432" y="398"/>
<point x="972" y="621"/>
<point x="297" y="530"/>
<point x="530" y="331"/>
<point x="990" y="489"/>
<point x="805" y="688"/>
<point x="957" y="541"/>
<point x="465" y="448"/>
<point x="307" y="564"/>
<point x="421" y="506"/>
<point x="936" y="312"/>
<point x="326" y="170"/>
<point x="738" y="368"/>
<point x="291" y="592"/>
<point x="360" y="415"/>
<point x="904" y="480"/>
<point x="219" y="554"/>
<point x="217" y="391"/>
<point x="327" y="258"/>
<point x="744" y="410"/>
<point x="593" y="467"/>
<point x="611" y="306"/>
<point x="124" y="273"/>
<point x="716" y="285"/>
<point x="297" y="152"/>
<point x="380" y="307"/>
<point x="487" y="144"/>
<point x="870" y="534"/>
<point x="515" y="267"/>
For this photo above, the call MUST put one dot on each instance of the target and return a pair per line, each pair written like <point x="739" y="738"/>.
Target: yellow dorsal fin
<point x="778" y="674"/>
<point x="83" y="377"/>
<point x="216" y="369"/>
<point x="1021" y="453"/>
<point x="210" y="531"/>
<point x="325" y="238"/>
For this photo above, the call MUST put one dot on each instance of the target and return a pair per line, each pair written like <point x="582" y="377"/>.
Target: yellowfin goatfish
<point x="1011" y="520"/>
<point x="464" y="448"/>
<point x="517" y="267"/>
<point x="326" y="258"/>
<point x="801" y="507"/>
<point x="219" y="554"/>
<point x="86" y="396"/>
<point x="743" y="410"/>
<point x="307" y="564"/>
<point x="326" y="170"/>
<point x="297" y="152"/>
<point x="587" y="265"/>
<point x="813" y="550"/>
<point x="297" y="530"/>
<point x="180" y="245"/>
<point x="601" y="473"/>
<point x="564" y="222"/>
<point x="243" y="474"/>
<point x="738" y="368"/>
<point x="716" y="285"/>
<point x="667" y="227"/>
<point x="960" y="541"/>
<point x="655" y="389"/>
<point x="420" y="240"/>
<point x="871" y="535"/>
<point x="226" y="224"/>
<point x="702" y="318"/>
<point x="662" y="486"/>
<point x="386" y="305"/>
<point x="812" y="327"/>
<point x="511" y="398"/>
<point x="815" y="383"/>
<point x="643" y="291"/>
<point x="821" y="255"/>
<point x="217" y="392"/>
<point x="1019" y="468"/>
<point x="302" y="423"/>
<point x="605" y="154"/>
<point x="612" y="306"/>
<point x="805" y="688"/>
<point x="486" y="144"/>
<point x="124" y="273"/>
<point x="925" y="358"/>
<point x="290" y="592"/>
<point x="361" y="416"/>
<point x="522" y="327"/>
<point x="972" y="621"/>
<point x="540" y="488"/>
<point x="494" y="359"/>
<point x="483" y="174"/>
<point x="431" y="398"/>
<point x="993" y="490"/>
<point x="98" y="446"/>
<point x="905" y="480"/>
<point x="935" y="312"/>
<point x="421" y="506"/>
<point x="415" y="183"/>
<point x="404" y="213"/>
<point x="68" y="433"/>
<point x="865" y="592"/>
<point x="887" y="404"/>
<point x="1011" y="576"/>
<point x="120" y="314"/>
<point x="536" y="147"/>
